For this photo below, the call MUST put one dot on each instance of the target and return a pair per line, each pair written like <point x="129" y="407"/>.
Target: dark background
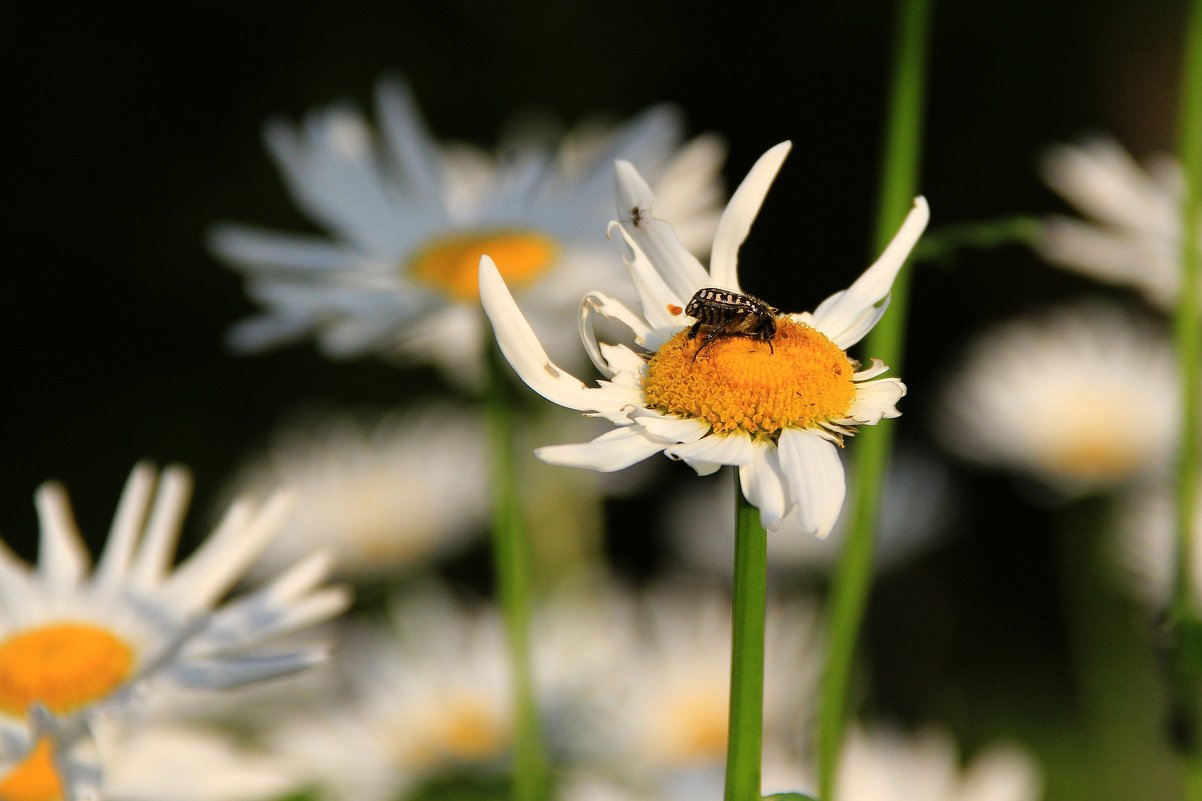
<point x="133" y="131"/>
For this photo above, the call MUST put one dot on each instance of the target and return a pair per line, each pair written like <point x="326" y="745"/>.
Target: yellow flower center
<point x="451" y="264"/>
<point x="798" y="380"/>
<point x="693" y="726"/>
<point x="62" y="666"/>
<point x="463" y="729"/>
<point x="35" y="779"/>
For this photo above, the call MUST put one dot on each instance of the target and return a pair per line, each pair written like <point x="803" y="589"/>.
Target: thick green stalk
<point x="745" y="745"/>
<point x="1188" y="329"/>
<point x="511" y="560"/>
<point x="899" y="181"/>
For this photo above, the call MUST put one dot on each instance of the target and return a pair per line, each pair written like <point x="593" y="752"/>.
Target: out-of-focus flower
<point x="380" y="496"/>
<point x="426" y="697"/>
<point x="886" y="765"/>
<point x="776" y="408"/>
<point x="145" y="762"/>
<point x="662" y="712"/>
<point x="1133" y="232"/>
<point x="914" y="509"/>
<point x="1145" y="541"/>
<point x="1082" y="398"/>
<point x="78" y="644"/>
<point x="409" y="221"/>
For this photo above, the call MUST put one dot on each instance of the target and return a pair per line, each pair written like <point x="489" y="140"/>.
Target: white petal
<point x="599" y="303"/>
<point x="410" y="144"/>
<point x="127" y="526"/>
<point x="681" y="271"/>
<point x="226" y="673"/>
<point x="847" y="316"/>
<point x="162" y="530"/>
<point x="662" y="307"/>
<point x="254" y="247"/>
<point x="672" y="429"/>
<point x="222" y="559"/>
<point x="874" y="368"/>
<point x="740" y="214"/>
<point x="611" y="451"/>
<point x="764" y="486"/>
<point x="815" y="478"/>
<point x="62" y="557"/>
<point x="733" y="448"/>
<point x="876" y="399"/>
<point x="521" y="347"/>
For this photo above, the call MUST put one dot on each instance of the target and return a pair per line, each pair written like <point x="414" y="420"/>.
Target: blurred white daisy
<point x="886" y="765"/>
<point x="408" y="222"/>
<point x="1082" y="398"/>
<point x="78" y="644"/>
<point x="777" y="409"/>
<point x="663" y="710"/>
<point x="916" y="505"/>
<point x="379" y="496"/>
<point x="1145" y="541"/>
<point x="425" y="697"/>
<point x="1132" y="234"/>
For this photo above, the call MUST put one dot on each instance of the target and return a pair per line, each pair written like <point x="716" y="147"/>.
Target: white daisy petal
<point x="680" y="270"/>
<point x="662" y="307"/>
<point x="815" y="477"/>
<point x="127" y="525"/>
<point x="847" y="316"/>
<point x="740" y="214"/>
<point x="414" y="151"/>
<point x="611" y="451"/>
<point x="521" y="347"/>
<point x="599" y="303"/>
<point x="62" y="558"/>
<point x="763" y="485"/>
<point x="672" y="429"/>
<point x="223" y="557"/>
<point x="875" y="400"/>
<point x="732" y="448"/>
<point x="240" y="244"/>
<point x="162" y="528"/>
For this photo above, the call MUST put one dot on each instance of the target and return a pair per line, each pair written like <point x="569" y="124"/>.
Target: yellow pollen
<point x="63" y="666"/>
<point x="35" y="779"/>
<point x="798" y="380"/>
<point x="451" y="264"/>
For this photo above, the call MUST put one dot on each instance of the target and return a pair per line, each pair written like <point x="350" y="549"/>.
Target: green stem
<point x="899" y="181"/>
<point x="745" y="746"/>
<point x="511" y="560"/>
<point x="1188" y="330"/>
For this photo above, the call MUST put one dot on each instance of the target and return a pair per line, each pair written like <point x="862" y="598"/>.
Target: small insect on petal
<point x="673" y="309"/>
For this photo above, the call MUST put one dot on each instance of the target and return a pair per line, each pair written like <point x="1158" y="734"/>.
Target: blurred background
<point x="133" y="132"/>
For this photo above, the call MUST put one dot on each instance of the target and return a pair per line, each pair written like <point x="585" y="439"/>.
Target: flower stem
<point x="898" y="187"/>
<point x="1187" y="671"/>
<point x="511" y="561"/>
<point x="745" y="746"/>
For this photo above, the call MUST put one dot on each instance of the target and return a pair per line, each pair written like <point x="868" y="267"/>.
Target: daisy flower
<point x="777" y="409"/>
<point x="78" y="644"/>
<point x="663" y="710"/>
<point x="1054" y="397"/>
<point x="425" y="696"/>
<point x="408" y="221"/>
<point x="1133" y="233"/>
<point x="886" y="765"/>
<point x="379" y="495"/>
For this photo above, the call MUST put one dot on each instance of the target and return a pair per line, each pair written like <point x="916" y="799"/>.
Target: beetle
<point x="723" y="313"/>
